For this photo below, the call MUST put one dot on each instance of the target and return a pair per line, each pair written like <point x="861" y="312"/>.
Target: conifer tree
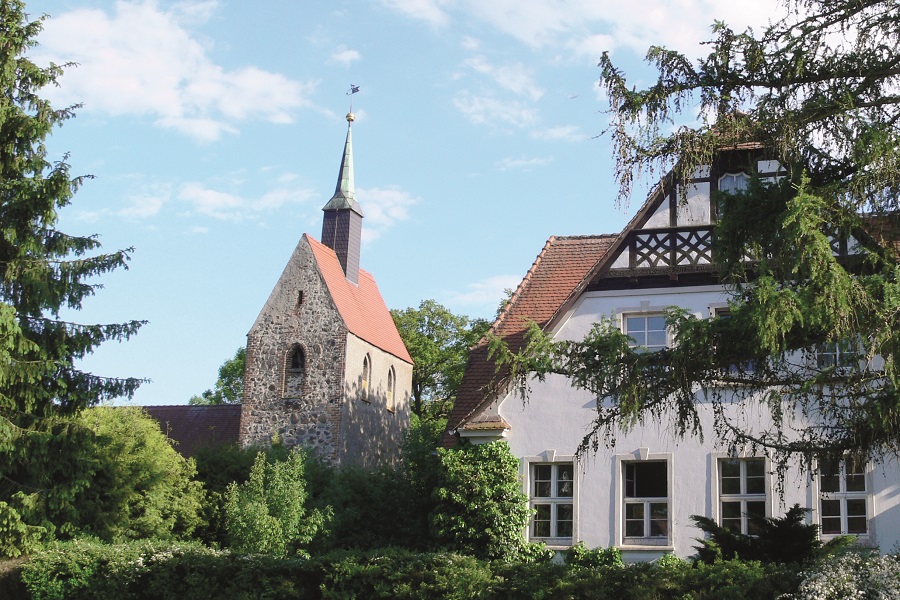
<point x="43" y="272"/>
<point x="819" y="92"/>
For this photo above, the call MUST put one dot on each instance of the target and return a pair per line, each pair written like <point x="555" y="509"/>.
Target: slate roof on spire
<point x="344" y="193"/>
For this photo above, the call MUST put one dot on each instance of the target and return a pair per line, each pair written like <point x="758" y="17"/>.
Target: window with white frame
<point x="645" y="501"/>
<point x="742" y="493"/>
<point x="841" y="354"/>
<point x="648" y="332"/>
<point x="552" y="500"/>
<point x="843" y="497"/>
<point x="732" y="183"/>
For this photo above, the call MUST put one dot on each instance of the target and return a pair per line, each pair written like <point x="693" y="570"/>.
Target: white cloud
<point x="568" y="133"/>
<point x="485" y="294"/>
<point x="212" y="203"/>
<point x="430" y="11"/>
<point x="515" y="77"/>
<point x="138" y="59"/>
<point x="345" y="56"/>
<point x="588" y="27"/>
<point x="492" y="110"/>
<point x="383" y="207"/>
<point x="523" y="163"/>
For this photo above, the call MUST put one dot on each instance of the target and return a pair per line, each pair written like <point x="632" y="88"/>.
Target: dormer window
<point x="733" y="183"/>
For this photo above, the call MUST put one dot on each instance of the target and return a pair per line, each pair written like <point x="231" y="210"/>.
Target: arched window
<point x="732" y="183"/>
<point x="294" y="372"/>
<point x="390" y="389"/>
<point x="366" y="378"/>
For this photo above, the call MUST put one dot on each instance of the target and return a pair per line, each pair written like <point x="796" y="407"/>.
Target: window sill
<point x="667" y="547"/>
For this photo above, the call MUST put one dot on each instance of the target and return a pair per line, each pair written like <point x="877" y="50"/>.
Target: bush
<point x="852" y="575"/>
<point x="267" y="513"/>
<point x="787" y="539"/>
<point x="480" y="507"/>
<point x="142" y="487"/>
<point x="579" y="556"/>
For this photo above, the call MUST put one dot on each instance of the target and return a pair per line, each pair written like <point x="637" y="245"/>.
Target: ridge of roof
<point x="559" y="267"/>
<point x="361" y="305"/>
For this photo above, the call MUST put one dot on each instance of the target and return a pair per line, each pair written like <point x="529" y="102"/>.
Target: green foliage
<point x="787" y="539"/>
<point x="138" y="570"/>
<point x="217" y="467"/>
<point x="480" y="509"/>
<point x="141" y="486"/>
<point x="580" y="556"/>
<point x="438" y="342"/>
<point x="42" y="272"/>
<point x="229" y="387"/>
<point x="267" y="513"/>
<point x="392" y="573"/>
<point x="852" y="575"/>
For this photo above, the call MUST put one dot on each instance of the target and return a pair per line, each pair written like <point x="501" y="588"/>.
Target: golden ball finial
<point x="350" y="117"/>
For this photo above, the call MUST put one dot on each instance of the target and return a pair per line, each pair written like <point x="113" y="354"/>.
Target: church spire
<point x="342" y="223"/>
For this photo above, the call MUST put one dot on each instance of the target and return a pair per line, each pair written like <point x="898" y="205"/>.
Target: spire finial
<point x="353" y="89"/>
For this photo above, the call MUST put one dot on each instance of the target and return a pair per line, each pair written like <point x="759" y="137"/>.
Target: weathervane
<point x="353" y="89"/>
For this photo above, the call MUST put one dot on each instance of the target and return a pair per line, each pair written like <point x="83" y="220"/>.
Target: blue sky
<point x="214" y="130"/>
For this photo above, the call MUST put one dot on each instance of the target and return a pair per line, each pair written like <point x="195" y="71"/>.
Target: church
<point x="326" y="368"/>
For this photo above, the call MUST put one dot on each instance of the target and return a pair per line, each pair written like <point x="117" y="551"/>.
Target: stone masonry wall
<point x="300" y="409"/>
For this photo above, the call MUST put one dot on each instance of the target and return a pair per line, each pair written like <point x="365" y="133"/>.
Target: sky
<point x="214" y="129"/>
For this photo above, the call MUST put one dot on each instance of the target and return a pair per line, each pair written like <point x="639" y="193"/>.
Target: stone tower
<point x="326" y="368"/>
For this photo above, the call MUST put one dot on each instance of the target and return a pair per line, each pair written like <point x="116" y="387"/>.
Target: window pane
<point x="564" y="481"/>
<point x="856" y="475"/>
<point x="731" y="510"/>
<point x="754" y="509"/>
<point x="564" y="518"/>
<point x="831" y="508"/>
<point x="634" y="520"/>
<point x="650" y="480"/>
<point x="656" y="323"/>
<point x="541" y="523"/>
<point x="635" y="327"/>
<point x="731" y="468"/>
<point x="542" y="481"/>
<point x="659" y="519"/>
<point x="857" y="525"/>
<point x="829" y="480"/>
<point x="656" y="339"/>
<point x="831" y="525"/>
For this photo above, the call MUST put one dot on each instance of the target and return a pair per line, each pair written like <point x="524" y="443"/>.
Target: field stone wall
<point x="305" y="410"/>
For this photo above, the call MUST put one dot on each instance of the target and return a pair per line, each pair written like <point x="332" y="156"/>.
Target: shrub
<point x="267" y="513"/>
<point x="579" y="556"/>
<point x="141" y="487"/>
<point x="852" y="575"/>
<point x="787" y="539"/>
<point x="480" y="507"/>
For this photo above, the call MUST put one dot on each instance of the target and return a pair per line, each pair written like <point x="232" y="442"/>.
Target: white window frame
<point x="529" y="464"/>
<point x="739" y="176"/>
<point x="844" y="354"/>
<point x="667" y="542"/>
<point x="843" y="495"/>
<point x="743" y="496"/>
<point x="625" y="316"/>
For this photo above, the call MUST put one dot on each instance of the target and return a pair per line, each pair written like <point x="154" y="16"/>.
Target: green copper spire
<point x="344" y="195"/>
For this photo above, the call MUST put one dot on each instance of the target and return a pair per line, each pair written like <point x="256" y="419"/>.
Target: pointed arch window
<point x="366" y="384"/>
<point x="391" y="383"/>
<point x="294" y="372"/>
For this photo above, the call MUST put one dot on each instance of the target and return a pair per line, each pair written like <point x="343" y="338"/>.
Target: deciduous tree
<point x="229" y="387"/>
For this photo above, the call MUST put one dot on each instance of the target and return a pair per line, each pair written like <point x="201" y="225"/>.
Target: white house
<point x="639" y="496"/>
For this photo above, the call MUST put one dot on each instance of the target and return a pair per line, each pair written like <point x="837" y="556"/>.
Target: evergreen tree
<point x="818" y="92"/>
<point x="43" y="271"/>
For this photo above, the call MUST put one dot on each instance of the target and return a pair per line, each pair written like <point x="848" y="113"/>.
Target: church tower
<point x="326" y="368"/>
<point x="342" y="223"/>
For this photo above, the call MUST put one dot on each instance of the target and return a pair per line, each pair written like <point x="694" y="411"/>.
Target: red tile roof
<point x="196" y="427"/>
<point x="361" y="306"/>
<point x="557" y="272"/>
